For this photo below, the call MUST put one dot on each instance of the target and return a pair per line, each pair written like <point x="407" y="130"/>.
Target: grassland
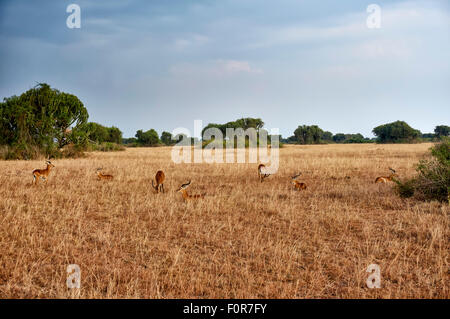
<point x="245" y="239"/>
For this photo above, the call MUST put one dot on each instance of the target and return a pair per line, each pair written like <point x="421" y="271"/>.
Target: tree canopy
<point x="43" y="118"/>
<point x="308" y="134"/>
<point x="396" y="132"/>
<point x="100" y="134"/>
<point x="243" y="123"/>
<point x="147" y="138"/>
<point x="442" y="130"/>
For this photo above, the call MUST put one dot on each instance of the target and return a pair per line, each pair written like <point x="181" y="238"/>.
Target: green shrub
<point x="107" y="147"/>
<point x="433" y="176"/>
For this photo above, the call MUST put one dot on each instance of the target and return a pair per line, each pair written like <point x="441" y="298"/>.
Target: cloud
<point x="217" y="68"/>
<point x="190" y="41"/>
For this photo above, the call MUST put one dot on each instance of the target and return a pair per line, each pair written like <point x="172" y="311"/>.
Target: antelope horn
<point x="295" y="176"/>
<point x="393" y="170"/>
<point x="186" y="184"/>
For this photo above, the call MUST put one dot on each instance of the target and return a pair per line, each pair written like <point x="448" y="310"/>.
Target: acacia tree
<point x="396" y="132"/>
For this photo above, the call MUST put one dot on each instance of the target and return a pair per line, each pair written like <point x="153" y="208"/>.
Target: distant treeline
<point x="46" y="122"/>
<point x="395" y="132"/>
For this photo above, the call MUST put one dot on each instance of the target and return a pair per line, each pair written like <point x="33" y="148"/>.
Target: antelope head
<point x="184" y="186"/>
<point x="49" y="163"/>
<point x="393" y="172"/>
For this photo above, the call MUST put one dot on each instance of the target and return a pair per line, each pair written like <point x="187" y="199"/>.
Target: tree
<point x="96" y="132"/>
<point x="114" y="135"/>
<point x="166" y="138"/>
<point x="41" y="116"/>
<point x="339" y="137"/>
<point x="308" y="134"/>
<point x="316" y="133"/>
<point x="302" y="134"/>
<point x="442" y="130"/>
<point x="148" y="138"/>
<point x="101" y="134"/>
<point x="69" y="114"/>
<point x="327" y="136"/>
<point x="396" y="132"/>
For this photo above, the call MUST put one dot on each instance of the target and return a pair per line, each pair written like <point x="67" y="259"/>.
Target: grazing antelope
<point x="262" y="172"/>
<point x="103" y="176"/>
<point x="385" y="179"/>
<point x="298" y="185"/>
<point x="185" y="194"/>
<point x="42" y="173"/>
<point x="159" y="177"/>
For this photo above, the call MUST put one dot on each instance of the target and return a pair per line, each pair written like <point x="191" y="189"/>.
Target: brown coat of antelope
<point x="262" y="172"/>
<point x="385" y="179"/>
<point x="159" y="177"/>
<point x="42" y="173"/>
<point x="185" y="194"/>
<point x="298" y="185"/>
<point x="101" y="176"/>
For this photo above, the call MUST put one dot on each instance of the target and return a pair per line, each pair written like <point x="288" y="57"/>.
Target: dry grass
<point x="243" y="240"/>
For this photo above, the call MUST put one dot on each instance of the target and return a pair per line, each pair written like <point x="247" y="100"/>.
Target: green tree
<point x="339" y="137"/>
<point x="97" y="132"/>
<point x="100" y="134"/>
<point x="442" y="130"/>
<point x="303" y="135"/>
<point x="147" y="138"/>
<point x="166" y="138"/>
<point x="396" y="132"/>
<point x="308" y="134"/>
<point x="114" y="135"/>
<point x="41" y="116"/>
<point x="327" y="136"/>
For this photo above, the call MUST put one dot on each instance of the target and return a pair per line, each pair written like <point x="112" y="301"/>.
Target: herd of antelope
<point x="160" y="177"/>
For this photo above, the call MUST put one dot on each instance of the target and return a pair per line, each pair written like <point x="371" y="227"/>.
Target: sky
<point x="163" y="64"/>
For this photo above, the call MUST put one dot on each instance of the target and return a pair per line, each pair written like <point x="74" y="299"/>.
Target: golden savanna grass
<point x="245" y="239"/>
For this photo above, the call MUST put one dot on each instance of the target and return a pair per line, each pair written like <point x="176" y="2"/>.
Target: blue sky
<point x="163" y="64"/>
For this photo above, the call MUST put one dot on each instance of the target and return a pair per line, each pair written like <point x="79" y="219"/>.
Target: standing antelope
<point x="262" y="172"/>
<point x="103" y="176"/>
<point x="159" y="177"/>
<point x="42" y="173"/>
<point x="385" y="179"/>
<point x="298" y="185"/>
<point x="185" y="194"/>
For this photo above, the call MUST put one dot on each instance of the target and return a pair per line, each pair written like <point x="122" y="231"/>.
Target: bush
<point x="433" y="176"/>
<point x="107" y="147"/>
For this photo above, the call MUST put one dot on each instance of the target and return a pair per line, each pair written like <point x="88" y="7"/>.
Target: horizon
<point x="139" y="65"/>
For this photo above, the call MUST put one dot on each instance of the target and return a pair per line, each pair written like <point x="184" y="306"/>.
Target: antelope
<point x="298" y="185"/>
<point x="159" y="177"/>
<point x="42" y="173"/>
<point x="103" y="176"/>
<point x="262" y="172"/>
<point x="385" y="179"/>
<point x="185" y="194"/>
